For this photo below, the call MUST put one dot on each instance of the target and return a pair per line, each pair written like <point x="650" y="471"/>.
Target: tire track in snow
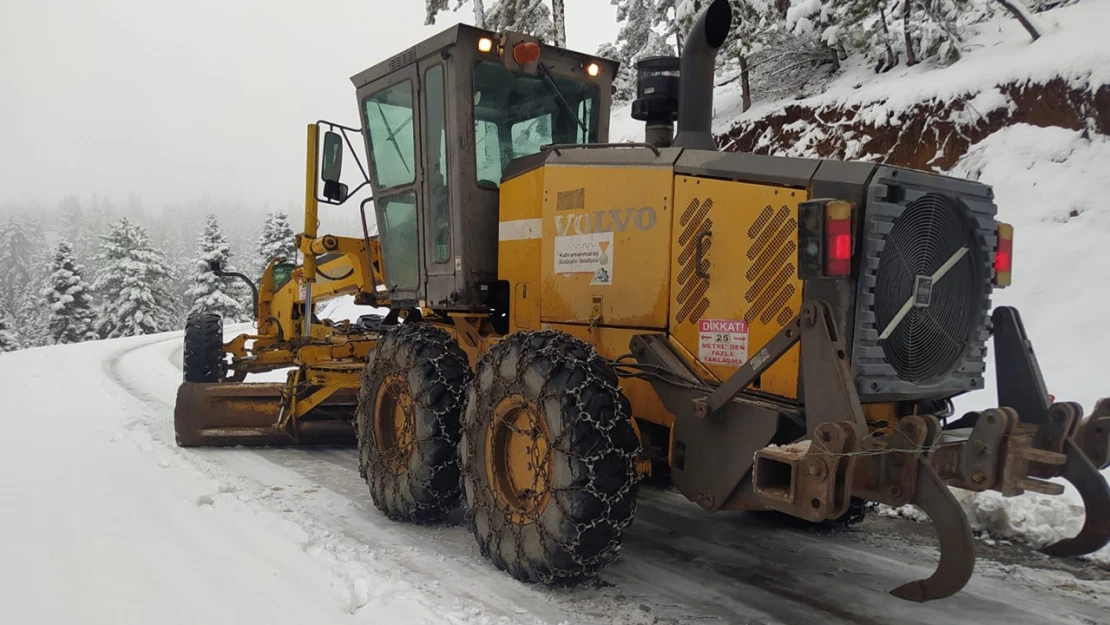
<point x="349" y="534"/>
<point x="679" y="565"/>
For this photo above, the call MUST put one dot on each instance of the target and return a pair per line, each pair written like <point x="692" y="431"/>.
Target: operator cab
<point x="442" y="122"/>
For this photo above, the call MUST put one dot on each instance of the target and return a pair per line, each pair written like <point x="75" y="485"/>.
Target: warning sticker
<point x="586" y="253"/>
<point x="723" y="342"/>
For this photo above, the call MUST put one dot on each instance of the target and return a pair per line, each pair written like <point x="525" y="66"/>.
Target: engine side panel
<point x="606" y="240"/>
<point x="519" y="235"/>
<point x="734" y="280"/>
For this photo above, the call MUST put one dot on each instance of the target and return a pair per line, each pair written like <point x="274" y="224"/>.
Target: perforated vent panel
<point x="772" y="257"/>
<point x="693" y="223"/>
<point x="407" y="57"/>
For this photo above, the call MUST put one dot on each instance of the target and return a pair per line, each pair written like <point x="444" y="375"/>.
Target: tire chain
<point x="553" y="352"/>
<point x="400" y="351"/>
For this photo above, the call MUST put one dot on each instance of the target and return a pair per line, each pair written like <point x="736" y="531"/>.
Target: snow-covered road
<point x="106" y="521"/>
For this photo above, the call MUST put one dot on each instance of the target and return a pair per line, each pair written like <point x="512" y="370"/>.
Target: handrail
<point x="555" y="147"/>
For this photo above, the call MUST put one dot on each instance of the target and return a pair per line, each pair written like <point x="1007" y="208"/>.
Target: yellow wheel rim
<point x="394" y="425"/>
<point x="519" y="462"/>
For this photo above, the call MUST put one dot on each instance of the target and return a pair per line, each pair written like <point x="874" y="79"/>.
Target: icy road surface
<point x="106" y="521"/>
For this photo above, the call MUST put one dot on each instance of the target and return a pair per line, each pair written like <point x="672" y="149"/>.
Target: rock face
<point x="930" y="135"/>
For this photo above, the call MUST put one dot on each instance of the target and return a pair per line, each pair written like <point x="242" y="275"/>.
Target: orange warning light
<point x="526" y="52"/>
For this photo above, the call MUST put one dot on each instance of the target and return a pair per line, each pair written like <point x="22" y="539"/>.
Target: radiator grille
<point x="912" y="224"/>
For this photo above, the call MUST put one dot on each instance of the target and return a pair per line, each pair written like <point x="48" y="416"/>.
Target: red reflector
<point x="838" y="247"/>
<point x="526" y="52"/>
<point x="1004" y="255"/>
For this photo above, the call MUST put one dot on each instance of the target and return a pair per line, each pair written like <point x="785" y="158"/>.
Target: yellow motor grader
<point x="568" y="315"/>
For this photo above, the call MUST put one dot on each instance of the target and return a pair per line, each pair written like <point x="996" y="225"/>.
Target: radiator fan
<point x="928" y="292"/>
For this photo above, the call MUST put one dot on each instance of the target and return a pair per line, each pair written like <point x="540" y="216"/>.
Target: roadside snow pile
<point x="1051" y="183"/>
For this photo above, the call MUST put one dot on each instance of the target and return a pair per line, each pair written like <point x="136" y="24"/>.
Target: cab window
<point x="517" y="114"/>
<point x="390" y="133"/>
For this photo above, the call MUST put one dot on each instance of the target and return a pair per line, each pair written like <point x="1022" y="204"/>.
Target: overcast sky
<point x="175" y="99"/>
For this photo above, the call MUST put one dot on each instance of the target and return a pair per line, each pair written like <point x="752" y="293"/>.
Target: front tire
<point x="203" y="355"/>
<point x="549" y="458"/>
<point x="411" y="397"/>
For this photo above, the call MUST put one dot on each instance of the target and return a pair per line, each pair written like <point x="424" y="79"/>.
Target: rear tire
<point x="549" y="458"/>
<point x="203" y="356"/>
<point x="410" y="401"/>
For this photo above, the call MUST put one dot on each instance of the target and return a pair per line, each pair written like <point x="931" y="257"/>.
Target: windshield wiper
<point x="393" y="134"/>
<point x="549" y="80"/>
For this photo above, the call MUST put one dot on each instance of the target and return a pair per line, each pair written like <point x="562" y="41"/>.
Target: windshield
<point x="516" y="114"/>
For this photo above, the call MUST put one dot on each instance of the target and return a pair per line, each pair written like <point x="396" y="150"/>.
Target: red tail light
<point x="838" y="238"/>
<point x="1004" y="255"/>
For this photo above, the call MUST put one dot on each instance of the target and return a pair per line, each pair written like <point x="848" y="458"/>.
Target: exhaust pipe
<point x="699" y="56"/>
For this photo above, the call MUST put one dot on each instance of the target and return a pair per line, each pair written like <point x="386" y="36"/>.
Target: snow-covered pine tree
<point x="867" y="26"/>
<point x="210" y="293"/>
<point x="16" y="258"/>
<point x="531" y="17"/>
<point x="9" y="342"/>
<point x="32" y="317"/>
<point x="132" y="285"/>
<point x="434" y="7"/>
<point x="276" y="240"/>
<point x="817" y="22"/>
<point x="68" y="301"/>
<point x="934" y="29"/>
<point x="640" y="36"/>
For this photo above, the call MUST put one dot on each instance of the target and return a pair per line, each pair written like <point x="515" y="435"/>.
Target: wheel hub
<point x="519" y="459"/>
<point x="394" y="425"/>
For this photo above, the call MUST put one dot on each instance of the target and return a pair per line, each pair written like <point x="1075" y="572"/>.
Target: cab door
<point x="391" y="117"/>
<point x="438" y="152"/>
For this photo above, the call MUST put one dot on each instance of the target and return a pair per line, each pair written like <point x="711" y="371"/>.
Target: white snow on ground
<point x="104" y="517"/>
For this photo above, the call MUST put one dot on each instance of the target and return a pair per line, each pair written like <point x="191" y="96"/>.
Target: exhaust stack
<point x="699" y="55"/>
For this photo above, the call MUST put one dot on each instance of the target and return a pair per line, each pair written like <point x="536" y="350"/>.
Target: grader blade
<point x="225" y="415"/>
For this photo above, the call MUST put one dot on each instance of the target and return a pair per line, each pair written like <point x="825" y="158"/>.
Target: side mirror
<point x="331" y="167"/>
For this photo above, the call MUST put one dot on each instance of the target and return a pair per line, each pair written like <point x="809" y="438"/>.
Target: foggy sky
<point x="174" y="100"/>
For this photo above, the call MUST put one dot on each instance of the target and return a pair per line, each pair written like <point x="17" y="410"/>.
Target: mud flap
<point x="224" y="415"/>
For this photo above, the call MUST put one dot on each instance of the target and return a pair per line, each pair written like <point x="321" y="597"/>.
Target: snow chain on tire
<point x="409" y="457"/>
<point x="579" y="448"/>
<point x="203" y="355"/>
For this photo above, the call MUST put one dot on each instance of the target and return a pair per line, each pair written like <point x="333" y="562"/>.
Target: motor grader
<point x="568" y="315"/>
